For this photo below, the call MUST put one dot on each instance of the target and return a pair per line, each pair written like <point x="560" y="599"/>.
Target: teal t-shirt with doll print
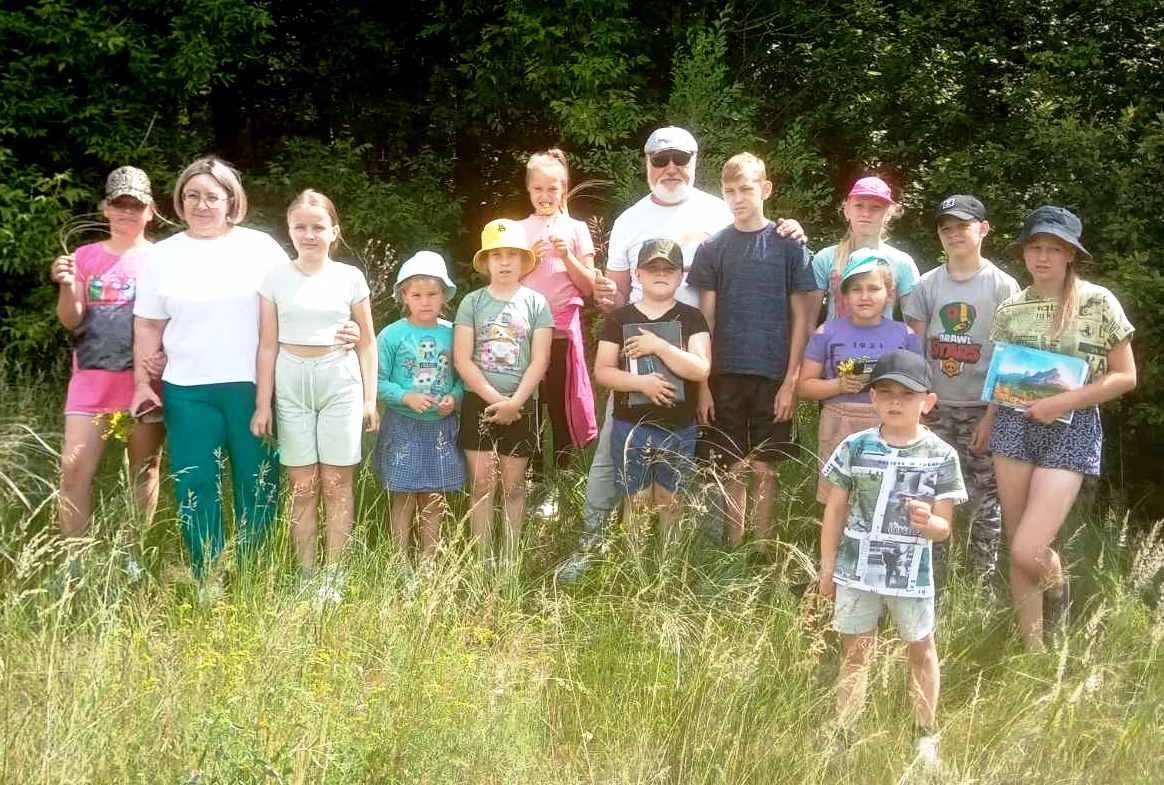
<point x="503" y="333"/>
<point x="416" y="359"/>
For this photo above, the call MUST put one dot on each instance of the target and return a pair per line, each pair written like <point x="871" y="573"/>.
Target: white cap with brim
<point x="427" y="263"/>
<point x="671" y="138"/>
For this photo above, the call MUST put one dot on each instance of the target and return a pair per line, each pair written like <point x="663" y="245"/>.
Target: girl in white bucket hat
<point x="417" y="458"/>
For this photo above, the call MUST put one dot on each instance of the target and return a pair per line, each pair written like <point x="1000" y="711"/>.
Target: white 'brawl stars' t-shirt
<point x="208" y="289"/>
<point x="688" y="223"/>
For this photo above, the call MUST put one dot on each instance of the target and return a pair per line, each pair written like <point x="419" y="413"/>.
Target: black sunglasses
<point x="667" y="157"/>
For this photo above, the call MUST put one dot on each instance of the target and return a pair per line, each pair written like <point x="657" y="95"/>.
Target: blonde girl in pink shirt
<point x="97" y="284"/>
<point x="564" y="275"/>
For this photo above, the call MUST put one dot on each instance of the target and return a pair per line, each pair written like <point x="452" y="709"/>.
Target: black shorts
<point x="744" y="423"/>
<point x="519" y="438"/>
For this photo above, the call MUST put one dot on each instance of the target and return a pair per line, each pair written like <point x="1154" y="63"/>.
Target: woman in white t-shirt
<point x="324" y="395"/>
<point x="198" y="300"/>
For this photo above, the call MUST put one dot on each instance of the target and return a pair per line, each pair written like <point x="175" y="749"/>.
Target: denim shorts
<point x="1075" y="446"/>
<point x="857" y="611"/>
<point x="646" y="455"/>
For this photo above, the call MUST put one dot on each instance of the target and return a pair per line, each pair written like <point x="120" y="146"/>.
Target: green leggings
<point x="205" y="423"/>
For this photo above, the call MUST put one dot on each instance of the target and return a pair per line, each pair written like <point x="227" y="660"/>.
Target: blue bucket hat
<point x="1056" y="221"/>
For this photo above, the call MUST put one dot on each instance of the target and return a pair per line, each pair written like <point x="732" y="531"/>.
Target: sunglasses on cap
<point x="668" y="157"/>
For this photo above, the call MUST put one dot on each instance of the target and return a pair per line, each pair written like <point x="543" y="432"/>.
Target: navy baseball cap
<point x="909" y="369"/>
<point x="962" y="206"/>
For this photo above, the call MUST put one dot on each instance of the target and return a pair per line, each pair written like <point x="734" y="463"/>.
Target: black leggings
<point x="553" y="394"/>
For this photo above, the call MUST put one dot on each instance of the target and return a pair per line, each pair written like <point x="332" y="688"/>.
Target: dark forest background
<point x="416" y="117"/>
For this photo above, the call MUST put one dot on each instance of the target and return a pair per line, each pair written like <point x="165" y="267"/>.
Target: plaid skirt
<point x="419" y="456"/>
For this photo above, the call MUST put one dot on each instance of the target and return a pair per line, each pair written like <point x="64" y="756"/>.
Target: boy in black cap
<point x="893" y="493"/>
<point x="655" y="385"/>
<point x="952" y="308"/>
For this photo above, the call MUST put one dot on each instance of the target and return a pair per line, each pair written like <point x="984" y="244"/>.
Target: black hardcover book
<point x="672" y="333"/>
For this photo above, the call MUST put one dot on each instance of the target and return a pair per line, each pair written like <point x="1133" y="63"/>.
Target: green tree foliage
<point x="417" y="118"/>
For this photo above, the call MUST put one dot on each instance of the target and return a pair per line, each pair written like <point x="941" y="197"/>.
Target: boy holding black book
<point x="653" y="355"/>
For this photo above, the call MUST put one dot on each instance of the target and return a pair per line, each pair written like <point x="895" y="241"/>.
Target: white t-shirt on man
<point x="688" y="223"/>
<point x="208" y="289"/>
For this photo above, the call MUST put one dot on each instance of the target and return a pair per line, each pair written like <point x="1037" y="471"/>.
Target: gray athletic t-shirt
<point x="958" y="317"/>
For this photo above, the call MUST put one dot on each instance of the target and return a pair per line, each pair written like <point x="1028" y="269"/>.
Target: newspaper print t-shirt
<point x="1098" y="325"/>
<point x="879" y="550"/>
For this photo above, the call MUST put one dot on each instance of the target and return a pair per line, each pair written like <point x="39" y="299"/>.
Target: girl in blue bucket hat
<point x="1040" y="461"/>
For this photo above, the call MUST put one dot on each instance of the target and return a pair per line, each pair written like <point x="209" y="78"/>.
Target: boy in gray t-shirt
<point x="952" y="308"/>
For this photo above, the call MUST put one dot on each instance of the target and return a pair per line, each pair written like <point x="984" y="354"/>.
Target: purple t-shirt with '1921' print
<point x="839" y="340"/>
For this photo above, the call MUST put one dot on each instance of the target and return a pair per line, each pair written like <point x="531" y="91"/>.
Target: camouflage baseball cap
<point x="128" y="181"/>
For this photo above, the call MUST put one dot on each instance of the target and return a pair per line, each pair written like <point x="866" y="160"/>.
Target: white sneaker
<point x="548" y="509"/>
<point x="927" y="752"/>
<point x="572" y="568"/>
<point x="134" y="571"/>
<point x="330" y="589"/>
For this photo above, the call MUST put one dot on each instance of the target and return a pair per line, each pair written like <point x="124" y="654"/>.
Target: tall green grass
<point x="695" y="667"/>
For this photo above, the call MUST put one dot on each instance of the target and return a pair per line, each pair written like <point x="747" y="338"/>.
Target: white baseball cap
<point x="670" y="138"/>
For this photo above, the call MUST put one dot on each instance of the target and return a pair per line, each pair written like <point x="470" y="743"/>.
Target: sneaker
<point x="573" y="568"/>
<point x="67" y="578"/>
<point x="836" y="742"/>
<point x="134" y="571"/>
<point x="330" y="589"/>
<point x="927" y="751"/>
<point x="210" y="591"/>
<point x="548" y="509"/>
<point x="1056" y="609"/>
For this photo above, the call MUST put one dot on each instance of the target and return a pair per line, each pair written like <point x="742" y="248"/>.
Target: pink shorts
<point x="99" y="392"/>
<point x="93" y="392"/>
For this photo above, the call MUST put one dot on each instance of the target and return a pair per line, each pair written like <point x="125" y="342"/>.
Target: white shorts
<point x="319" y="409"/>
<point x="857" y="612"/>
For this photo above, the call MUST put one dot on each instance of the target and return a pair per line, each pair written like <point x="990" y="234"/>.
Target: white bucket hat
<point x="427" y="263"/>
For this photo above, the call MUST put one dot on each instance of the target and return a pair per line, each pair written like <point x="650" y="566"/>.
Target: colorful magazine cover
<point x="1019" y="375"/>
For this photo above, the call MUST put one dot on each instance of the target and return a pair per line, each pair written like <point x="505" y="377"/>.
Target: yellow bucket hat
<point x="503" y="233"/>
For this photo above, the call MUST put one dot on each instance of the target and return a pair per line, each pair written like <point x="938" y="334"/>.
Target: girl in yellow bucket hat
<point x="501" y="349"/>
